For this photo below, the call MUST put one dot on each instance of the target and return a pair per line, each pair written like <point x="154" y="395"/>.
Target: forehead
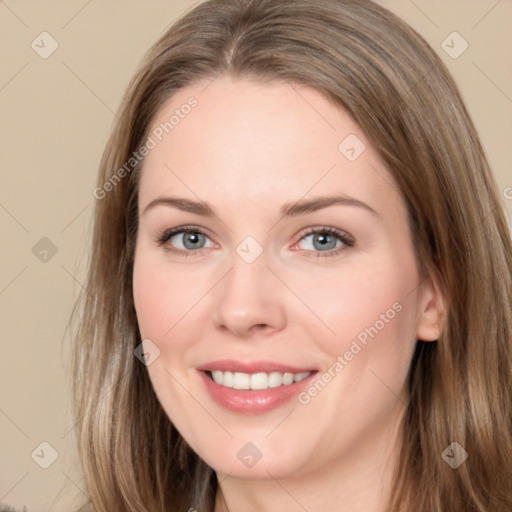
<point x="258" y="143"/>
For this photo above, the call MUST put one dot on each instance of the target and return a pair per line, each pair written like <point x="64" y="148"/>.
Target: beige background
<point x="55" y="117"/>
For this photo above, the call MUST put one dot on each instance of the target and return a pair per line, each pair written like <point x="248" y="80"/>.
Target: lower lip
<point x="252" y="401"/>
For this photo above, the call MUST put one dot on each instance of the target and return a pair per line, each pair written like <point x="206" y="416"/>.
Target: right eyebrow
<point x="199" y="208"/>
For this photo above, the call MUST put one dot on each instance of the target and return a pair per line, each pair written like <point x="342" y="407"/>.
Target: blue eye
<point x="190" y="239"/>
<point x="322" y="241"/>
<point x="325" y="241"/>
<point x="184" y="240"/>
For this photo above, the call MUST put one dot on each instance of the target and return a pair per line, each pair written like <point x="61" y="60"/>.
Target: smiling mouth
<point x="256" y="381"/>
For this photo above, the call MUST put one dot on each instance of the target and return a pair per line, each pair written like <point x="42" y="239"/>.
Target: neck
<point x="359" y="482"/>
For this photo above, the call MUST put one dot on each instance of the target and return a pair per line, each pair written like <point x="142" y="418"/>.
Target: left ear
<point x="430" y="310"/>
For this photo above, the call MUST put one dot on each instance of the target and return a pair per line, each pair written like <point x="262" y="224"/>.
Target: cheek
<point x="152" y="302"/>
<point x="372" y="312"/>
<point x="368" y="306"/>
<point x="163" y="295"/>
<point x="164" y="303"/>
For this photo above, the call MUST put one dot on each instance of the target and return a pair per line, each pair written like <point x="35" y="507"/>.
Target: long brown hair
<point x="368" y="61"/>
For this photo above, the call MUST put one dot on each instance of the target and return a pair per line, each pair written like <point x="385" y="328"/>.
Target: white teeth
<point x="275" y="379"/>
<point x="259" y="381"/>
<point x="239" y="380"/>
<point x="287" y="378"/>
<point x="227" y="379"/>
<point x="217" y="376"/>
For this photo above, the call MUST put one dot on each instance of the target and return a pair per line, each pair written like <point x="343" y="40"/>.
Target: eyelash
<point x="348" y="242"/>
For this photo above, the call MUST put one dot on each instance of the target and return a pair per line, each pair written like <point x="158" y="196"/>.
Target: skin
<point x="247" y="149"/>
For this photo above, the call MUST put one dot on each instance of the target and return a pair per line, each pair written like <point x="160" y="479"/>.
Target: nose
<point x="249" y="300"/>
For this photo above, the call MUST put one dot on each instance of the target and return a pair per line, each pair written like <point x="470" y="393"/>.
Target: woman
<point x="299" y="291"/>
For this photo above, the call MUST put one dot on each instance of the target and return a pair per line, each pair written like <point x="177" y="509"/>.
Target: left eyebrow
<point x="312" y="205"/>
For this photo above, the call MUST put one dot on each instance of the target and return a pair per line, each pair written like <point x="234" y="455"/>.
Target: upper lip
<point x="230" y="365"/>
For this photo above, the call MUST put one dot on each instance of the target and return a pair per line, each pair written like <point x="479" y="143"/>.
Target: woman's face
<point x="290" y="271"/>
